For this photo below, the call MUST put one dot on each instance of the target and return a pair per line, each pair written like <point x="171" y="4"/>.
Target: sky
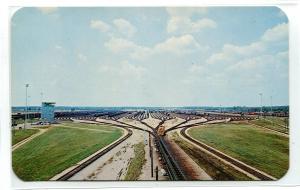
<point x="204" y="56"/>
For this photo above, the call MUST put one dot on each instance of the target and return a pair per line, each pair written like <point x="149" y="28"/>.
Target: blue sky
<point x="150" y="56"/>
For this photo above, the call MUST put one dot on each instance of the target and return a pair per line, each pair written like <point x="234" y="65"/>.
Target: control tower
<point x="47" y="112"/>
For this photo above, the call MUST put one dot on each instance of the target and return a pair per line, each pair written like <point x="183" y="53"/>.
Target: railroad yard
<point x="152" y="145"/>
<point x="149" y="94"/>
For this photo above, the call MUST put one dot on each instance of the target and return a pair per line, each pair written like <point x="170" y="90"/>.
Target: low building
<point x="47" y="112"/>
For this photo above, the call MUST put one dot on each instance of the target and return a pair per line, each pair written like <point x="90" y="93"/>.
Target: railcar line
<point x="135" y="127"/>
<point x="174" y="171"/>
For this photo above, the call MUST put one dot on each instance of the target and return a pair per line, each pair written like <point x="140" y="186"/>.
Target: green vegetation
<point x="136" y="164"/>
<point x="257" y="147"/>
<point x="56" y="150"/>
<point x="215" y="168"/>
<point x="278" y="120"/>
<point x="19" y="135"/>
<point x="104" y="127"/>
<point x="275" y="123"/>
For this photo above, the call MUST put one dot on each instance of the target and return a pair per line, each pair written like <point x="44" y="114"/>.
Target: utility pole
<point x="26" y="104"/>
<point x="261" y="108"/>
<point x="151" y="154"/>
<point x="156" y="173"/>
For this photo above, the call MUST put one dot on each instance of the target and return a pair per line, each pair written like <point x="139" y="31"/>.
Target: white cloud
<point x="283" y="55"/>
<point x="181" y="21"/>
<point x="124" y="46"/>
<point x="58" y="47"/>
<point x="100" y="25"/>
<point x="255" y="73"/>
<point x="197" y="68"/>
<point x="81" y="58"/>
<point x="277" y="33"/>
<point x="249" y="64"/>
<point x="124" y="27"/>
<point x="178" y="45"/>
<point x="120" y="45"/>
<point x="47" y="10"/>
<point x="263" y="64"/>
<point x="230" y="53"/>
<point x="181" y="45"/>
<point x="185" y="25"/>
<point x="119" y="27"/>
<point x="129" y="69"/>
<point x="123" y="70"/>
<point x="255" y="63"/>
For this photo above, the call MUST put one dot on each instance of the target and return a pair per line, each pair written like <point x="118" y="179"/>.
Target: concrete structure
<point x="47" y="112"/>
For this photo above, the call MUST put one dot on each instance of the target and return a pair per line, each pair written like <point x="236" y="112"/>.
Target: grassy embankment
<point x="59" y="148"/>
<point x="275" y="123"/>
<point x="19" y="135"/>
<point x="278" y="120"/>
<point x="257" y="147"/>
<point x="136" y="164"/>
<point x="216" y="169"/>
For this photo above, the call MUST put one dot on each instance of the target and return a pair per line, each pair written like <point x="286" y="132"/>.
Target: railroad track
<point x="71" y="173"/>
<point x="253" y="171"/>
<point x="172" y="167"/>
<point x="135" y="127"/>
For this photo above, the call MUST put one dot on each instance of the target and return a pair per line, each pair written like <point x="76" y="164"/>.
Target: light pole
<point x="271" y="99"/>
<point x="42" y="94"/>
<point x="261" y="110"/>
<point x="26" y="109"/>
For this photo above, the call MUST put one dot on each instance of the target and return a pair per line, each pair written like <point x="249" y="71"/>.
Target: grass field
<point x="266" y="151"/>
<point x="19" y="135"/>
<point x="216" y="169"/>
<point x="274" y="123"/>
<point x="278" y="120"/>
<point x="58" y="149"/>
<point x="136" y="164"/>
<point x="105" y="127"/>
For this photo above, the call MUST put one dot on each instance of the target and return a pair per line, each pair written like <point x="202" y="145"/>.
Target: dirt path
<point x="135" y="123"/>
<point x="84" y="121"/>
<point x="194" y="121"/>
<point x="172" y="122"/>
<point x="19" y="144"/>
<point x="152" y="121"/>
<point x="146" y="170"/>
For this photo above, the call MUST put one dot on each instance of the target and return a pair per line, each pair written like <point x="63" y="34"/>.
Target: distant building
<point x="47" y="112"/>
